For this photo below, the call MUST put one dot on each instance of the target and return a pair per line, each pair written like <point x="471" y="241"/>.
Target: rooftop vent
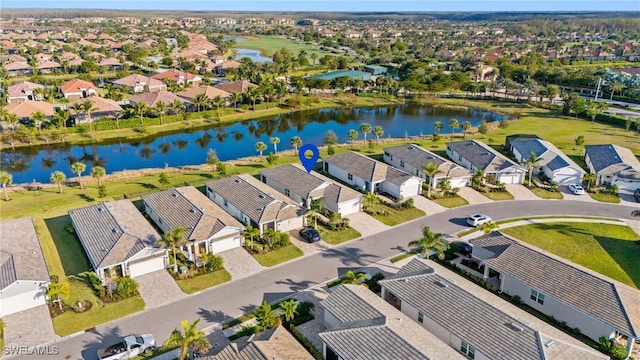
<point x="237" y="180"/>
<point x="192" y="210"/>
<point x="115" y="231"/>
<point x="442" y="284"/>
<point x="516" y="327"/>
<point x="100" y="208"/>
<point x="411" y="147"/>
<point x="174" y="194"/>
<point x="549" y="343"/>
<point x="262" y="196"/>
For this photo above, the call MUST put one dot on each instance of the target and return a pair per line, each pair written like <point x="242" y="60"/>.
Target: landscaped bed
<point x="278" y="256"/>
<point x="204" y="281"/>
<point x="546" y="194"/>
<point x="605" y="248"/>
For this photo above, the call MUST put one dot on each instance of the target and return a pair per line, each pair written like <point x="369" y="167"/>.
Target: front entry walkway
<point x="158" y="288"/>
<point x="30" y="327"/>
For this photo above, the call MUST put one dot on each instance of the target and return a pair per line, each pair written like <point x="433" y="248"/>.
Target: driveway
<point x="239" y="263"/>
<point x="30" y="327"/>
<point x="366" y="224"/>
<point x="473" y="197"/>
<point x="426" y="205"/>
<point x="306" y="247"/>
<point x="158" y="288"/>
<point x="520" y="192"/>
<point x="568" y="195"/>
<point x="627" y="198"/>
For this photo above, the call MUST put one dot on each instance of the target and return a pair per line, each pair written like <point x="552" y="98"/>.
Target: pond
<point x="251" y="54"/>
<point x="233" y="141"/>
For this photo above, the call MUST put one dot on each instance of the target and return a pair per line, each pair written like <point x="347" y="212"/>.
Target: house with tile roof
<point x="18" y="68"/>
<point x="23" y="91"/>
<point x="369" y="175"/>
<point x="254" y="203"/>
<point x="76" y="89"/>
<point x="137" y="83"/>
<point x="240" y="86"/>
<point x="118" y="240"/>
<point x="613" y="164"/>
<point x="47" y="67"/>
<point x="111" y="63"/>
<point x="152" y="98"/>
<point x="297" y="184"/>
<point x="210" y="92"/>
<point x="479" y="327"/>
<point x="590" y="302"/>
<point x="103" y="107"/>
<point x="413" y="158"/>
<point x="25" y="109"/>
<point x="178" y="77"/>
<point x="360" y="325"/>
<point x="24" y="277"/>
<point x="209" y="229"/>
<point x="475" y="155"/>
<point x="552" y="162"/>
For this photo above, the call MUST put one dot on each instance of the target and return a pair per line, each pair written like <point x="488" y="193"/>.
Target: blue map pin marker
<point x="308" y="163"/>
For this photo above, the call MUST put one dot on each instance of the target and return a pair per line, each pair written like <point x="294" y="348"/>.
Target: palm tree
<point x="591" y="179"/>
<point x="296" y="142"/>
<point x="531" y="164"/>
<point x="251" y="233"/>
<point x="78" y="168"/>
<point x="438" y="125"/>
<point x="173" y="239"/>
<point x="431" y="241"/>
<point x="615" y="86"/>
<point x="275" y="141"/>
<point x="453" y="124"/>
<point x="200" y="101"/>
<point x="314" y="57"/>
<point x="365" y="128"/>
<point x="187" y="339"/>
<point x="353" y="135"/>
<point x="58" y="291"/>
<point x="595" y="108"/>
<point x="61" y="117"/>
<point x="465" y="128"/>
<point x="98" y="172"/>
<point x="78" y="109"/>
<point x="5" y="179"/>
<point x="354" y="278"/>
<point x="11" y="119"/>
<point x="58" y="177"/>
<point x="378" y="131"/>
<point x="371" y="200"/>
<point x="141" y="110"/>
<point x="38" y="118"/>
<point x="160" y="109"/>
<point x="489" y="227"/>
<point x="88" y="108"/>
<point x="177" y="106"/>
<point x="261" y="147"/>
<point x="217" y="102"/>
<point x="235" y="99"/>
<point x="290" y="309"/>
<point x="431" y="169"/>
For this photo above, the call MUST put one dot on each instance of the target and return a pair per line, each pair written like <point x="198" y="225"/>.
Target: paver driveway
<point x="426" y="205"/>
<point x="239" y="263"/>
<point x="520" y="192"/>
<point x="30" y="327"/>
<point x="568" y="195"/>
<point x="306" y="247"/>
<point x="158" y="288"/>
<point x="473" y="197"/>
<point x="366" y="224"/>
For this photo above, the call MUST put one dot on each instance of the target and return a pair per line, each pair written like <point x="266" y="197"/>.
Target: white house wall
<point x="626" y="184"/>
<point x="588" y="325"/>
<point x="349" y="207"/>
<point x="21" y="295"/>
<point x="343" y="175"/>
<point x="281" y="189"/>
<point x="564" y="176"/>
<point x="291" y="224"/>
<point x="229" y="207"/>
<point x="156" y="219"/>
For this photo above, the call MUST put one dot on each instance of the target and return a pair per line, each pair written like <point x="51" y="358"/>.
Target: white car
<point x="576" y="189"/>
<point x="478" y="219"/>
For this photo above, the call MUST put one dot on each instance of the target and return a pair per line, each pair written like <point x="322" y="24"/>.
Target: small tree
<point x="378" y="131"/>
<point x="57" y="291"/>
<point x="272" y="159"/>
<point x="58" y="177"/>
<point x="330" y="138"/>
<point x="187" y="339"/>
<point x="590" y="179"/>
<point x="98" y="172"/>
<point x="371" y="200"/>
<point x="453" y="124"/>
<point x="163" y="179"/>
<point x="102" y="191"/>
<point x="353" y="135"/>
<point x="78" y="168"/>
<point x="212" y="158"/>
<point x="126" y="287"/>
<point x="173" y="240"/>
<point x="365" y="128"/>
<point x="290" y="309"/>
<point x="531" y="164"/>
<point x="265" y="315"/>
<point x="354" y="278"/>
<point x="296" y="142"/>
<point x="431" y="241"/>
<point x="466" y="126"/>
<point x="579" y="141"/>
<point x="5" y="179"/>
<point x="489" y="227"/>
<point x="483" y="128"/>
<point x="275" y="141"/>
<point x="438" y="125"/>
<point x="261" y="147"/>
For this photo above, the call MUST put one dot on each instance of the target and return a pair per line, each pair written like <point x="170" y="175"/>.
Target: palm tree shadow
<point x="296" y="285"/>
<point x="351" y="256"/>
<point x="102" y="338"/>
<point x="214" y="316"/>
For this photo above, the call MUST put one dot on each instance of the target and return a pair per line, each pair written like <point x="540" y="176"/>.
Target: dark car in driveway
<point x="310" y="235"/>
<point x="636" y="194"/>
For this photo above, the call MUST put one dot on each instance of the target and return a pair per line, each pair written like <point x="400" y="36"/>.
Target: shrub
<point x="331" y="150"/>
<point x="516" y="299"/>
<point x="483" y="128"/>
<point x="503" y="124"/>
<point x="371" y="144"/>
<point x="102" y="191"/>
<point x="126" y="287"/>
<point x="372" y="283"/>
<point x="265" y="315"/>
<point x="435" y="137"/>
<point x="306" y="343"/>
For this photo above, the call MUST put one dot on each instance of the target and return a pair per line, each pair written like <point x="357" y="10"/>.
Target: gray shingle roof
<point x="468" y="317"/>
<point x="188" y="208"/>
<point x="418" y="157"/>
<point x="112" y="232"/>
<point x="609" y="155"/>
<point x="595" y="296"/>
<point x="253" y="198"/>
<point x="371" y="328"/>
<point x="295" y="179"/>
<point x="367" y="168"/>
<point x="21" y="256"/>
<point x="526" y="147"/>
<point x="481" y="156"/>
<point x="557" y="163"/>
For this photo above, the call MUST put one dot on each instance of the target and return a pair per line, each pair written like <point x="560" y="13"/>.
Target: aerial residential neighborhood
<point x="300" y="181"/>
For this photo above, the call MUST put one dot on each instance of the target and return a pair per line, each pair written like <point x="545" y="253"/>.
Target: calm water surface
<point x="232" y="141"/>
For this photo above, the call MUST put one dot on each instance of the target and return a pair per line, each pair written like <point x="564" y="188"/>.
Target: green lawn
<point x="204" y="281"/>
<point x="546" y="194"/>
<point x="403" y="256"/>
<point x="339" y="236"/>
<point x="607" y="249"/>
<point x="608" y="198"/>
<point x="451" y="202"/>
<point x="397" y="216"/>
<point x="498" y="196"/>
<point x="70" y="322"/>
<point x="268" y="45"/>
<point x="278" y="256"/>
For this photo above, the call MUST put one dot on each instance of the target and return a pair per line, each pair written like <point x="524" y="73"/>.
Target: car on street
<point x="636" y="194"/>
<point x="310" y="235"/>
<point x="464" y="247"/>
<point x="576" y="189"/>
<point x="478" y="219"/>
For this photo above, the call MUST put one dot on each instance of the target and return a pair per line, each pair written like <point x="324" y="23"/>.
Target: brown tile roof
<point x="49" y="65"/>
<point x="22" y="89"/>
<point x="152" y="98"/>
<point x="176" y="75"/>
<point x="77" y="86"/>
<point x="109" y="62"/>
<point x="210" y="91"/>
<point x="102" y="104"/>
<point x="18" y="65"/>
<point x="21" y="256"/>
<point x="240" y="86"/>
<point x="26" y="108"/>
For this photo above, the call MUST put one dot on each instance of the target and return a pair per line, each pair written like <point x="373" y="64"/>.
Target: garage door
<point x="627" y="185"/>
<point x="226" y="244"/>
<point x="511" y="178"/>
<point x="567" y="179"/>
<point x="21" y="302"/>
<point x="147" y="266"/>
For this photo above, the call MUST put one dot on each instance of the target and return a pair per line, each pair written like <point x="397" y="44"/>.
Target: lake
<point x="232" y="141"/>
<point x="251" y="54"/>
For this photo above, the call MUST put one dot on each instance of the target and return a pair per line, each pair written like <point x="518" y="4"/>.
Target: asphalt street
<point x="232" y="299"/>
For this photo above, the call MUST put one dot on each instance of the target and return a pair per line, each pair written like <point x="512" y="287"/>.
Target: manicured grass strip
<point x="70" y="322"/>
<point x="507" y="221"/>
<point x="451" y="202"/>
<point x="397" y="216"/>
<point x="339" y="236"/>
<point x="546" y="194"/>
<point x="278" y="256"/>
<point x="608" y="198"/>
<point x="403" y="256"/>
<point x="498" y="196"/>
<point x="204" y="281"/>
<point x="607" y="249"/>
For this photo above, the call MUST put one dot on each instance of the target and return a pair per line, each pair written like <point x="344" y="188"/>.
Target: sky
<point x="333" y="5"/>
